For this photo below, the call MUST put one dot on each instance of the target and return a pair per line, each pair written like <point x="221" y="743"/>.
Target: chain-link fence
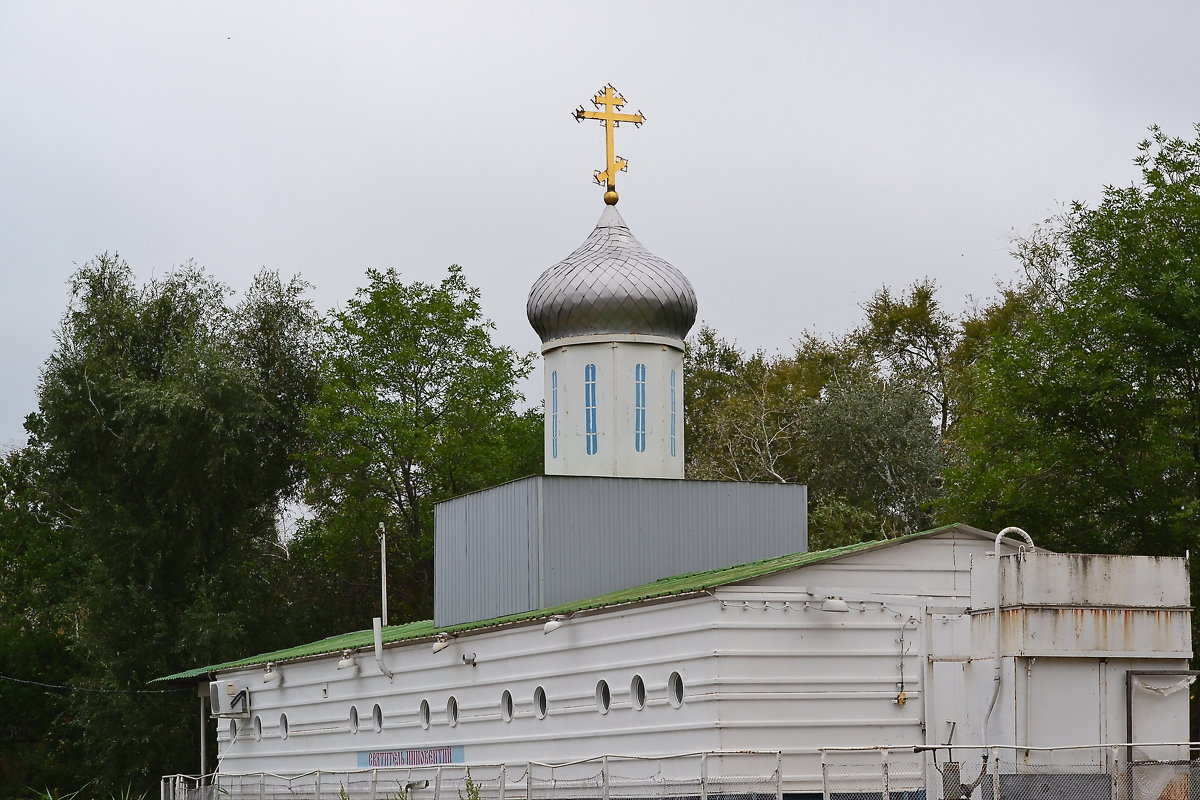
<point x="1100" y="772"/>
<point x="744" y="775"/>
<point x="869" y="773"/>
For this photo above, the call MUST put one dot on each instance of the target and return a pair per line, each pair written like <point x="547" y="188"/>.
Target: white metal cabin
<point x="744" y="659"/>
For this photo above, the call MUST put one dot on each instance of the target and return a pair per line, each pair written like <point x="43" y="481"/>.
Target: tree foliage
<point x="914" y="340"/>
<point x="417" y="405"/>
<point x="741" y="420"/>
<point x="144" y="505"/>
<point x="824" y="416"/>
<point x="1086" y="418"/>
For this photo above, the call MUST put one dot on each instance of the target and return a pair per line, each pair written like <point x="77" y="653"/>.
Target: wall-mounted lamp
<point x="441" y="642"/>
<point x="835" y="604"/>
<point x="348" y="661"/>
<point x="469" y="659"/>
<point x="272" y="675"/>
<point x="555" y="622"/>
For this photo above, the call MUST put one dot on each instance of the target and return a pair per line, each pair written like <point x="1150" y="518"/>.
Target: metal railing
<point x="746" y="775"/>
<point x="1138" y="771"/>
<point x="1127" y="771"/>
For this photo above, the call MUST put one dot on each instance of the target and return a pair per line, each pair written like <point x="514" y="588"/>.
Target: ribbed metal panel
<point x="546" y="540"/>
<point x="486" y="552"/>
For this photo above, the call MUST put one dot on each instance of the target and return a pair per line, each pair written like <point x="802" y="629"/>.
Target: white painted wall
<point x="935" y="566"/>
<point x="616" y="360"/>
<point x="755" y="678"/>
<point x="567" y="663"/>
<point x="759" y="671"/>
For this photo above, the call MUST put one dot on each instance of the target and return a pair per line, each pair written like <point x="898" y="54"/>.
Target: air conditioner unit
<point x="229" y="699"/>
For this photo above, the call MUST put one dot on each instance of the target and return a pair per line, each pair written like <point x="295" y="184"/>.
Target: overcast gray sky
<point x="797" y="156"/>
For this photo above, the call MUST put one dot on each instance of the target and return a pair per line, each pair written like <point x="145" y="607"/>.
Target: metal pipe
<point x="203" y="692"/>
<point x="996" y="675"/>
<point x="377" y="624"/>
<point x="883" y="768"/>
<point x="993" y="747"/>
<point x="382" y="534"/>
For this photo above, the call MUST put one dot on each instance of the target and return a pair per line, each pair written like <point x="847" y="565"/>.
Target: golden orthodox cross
<point x="611" y="100"/>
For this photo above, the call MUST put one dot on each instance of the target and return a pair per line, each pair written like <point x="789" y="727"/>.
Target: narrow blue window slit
<point x="554" y="414"/>
<point x="589" y="409"/>
<point x="639" y="408"/>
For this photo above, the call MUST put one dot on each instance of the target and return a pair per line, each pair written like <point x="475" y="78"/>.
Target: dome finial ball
<point x="610" y="198"/>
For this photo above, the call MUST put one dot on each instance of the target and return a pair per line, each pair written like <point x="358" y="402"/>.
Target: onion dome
<point x="611" y="284"/>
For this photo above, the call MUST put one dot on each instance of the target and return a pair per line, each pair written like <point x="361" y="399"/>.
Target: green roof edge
<point x="673" y="586"/>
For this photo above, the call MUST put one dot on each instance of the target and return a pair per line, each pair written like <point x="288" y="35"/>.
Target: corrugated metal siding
<point x="548" y="540"/>
<point x="605" y="534"/>
<point x="486" y="554"/>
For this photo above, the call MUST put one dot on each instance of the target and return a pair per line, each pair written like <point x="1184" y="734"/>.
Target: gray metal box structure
<point x="545" y="540"/>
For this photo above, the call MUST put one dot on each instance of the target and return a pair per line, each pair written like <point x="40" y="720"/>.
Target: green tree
<point x="914" y="340"/>
<point x="1085" y="426"/>
<point x="163" y="446"/>
<point x="869" y="448"/>
<point x="824" y="417"/>
<point x="741" y="420"/>
<point x="712" y="369"/>
<point x="417" y="406"/>
<point x="36" y="616"/>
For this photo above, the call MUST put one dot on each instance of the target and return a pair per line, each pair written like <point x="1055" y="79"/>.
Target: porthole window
<point x="258" y="729"/>
<point x="452" y="711"/>
<point x="637" y="693"/>
<point x="232" y="729"/>
<point x="603" y="697"/>
<point x="675" y="689"/>
<point x="283" y="726"/>
<point x="353" y="719"/>
<point x="423" y="714"/>
<point x="377" y="718"/>
<point x="539" y="702"/>
<point x="506" y="706"/>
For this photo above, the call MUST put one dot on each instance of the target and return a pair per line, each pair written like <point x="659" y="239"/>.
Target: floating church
<point x="611" y="629"/>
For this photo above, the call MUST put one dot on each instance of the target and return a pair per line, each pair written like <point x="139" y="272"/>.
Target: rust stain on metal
<point x="1071" y="628"/>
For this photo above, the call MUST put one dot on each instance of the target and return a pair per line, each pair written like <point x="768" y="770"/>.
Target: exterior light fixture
<point x="348" y="661"/>
<point x="441" y="642"/>
<point x="555" y="623"/>
<point x="272" y="675"/>
<point x="835" y="604"/>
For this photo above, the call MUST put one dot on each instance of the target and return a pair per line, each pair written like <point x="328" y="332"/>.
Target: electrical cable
<point x="96" y="691"/>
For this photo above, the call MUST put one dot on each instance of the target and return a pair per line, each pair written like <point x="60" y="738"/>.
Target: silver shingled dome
<point x="611" y="284"/>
